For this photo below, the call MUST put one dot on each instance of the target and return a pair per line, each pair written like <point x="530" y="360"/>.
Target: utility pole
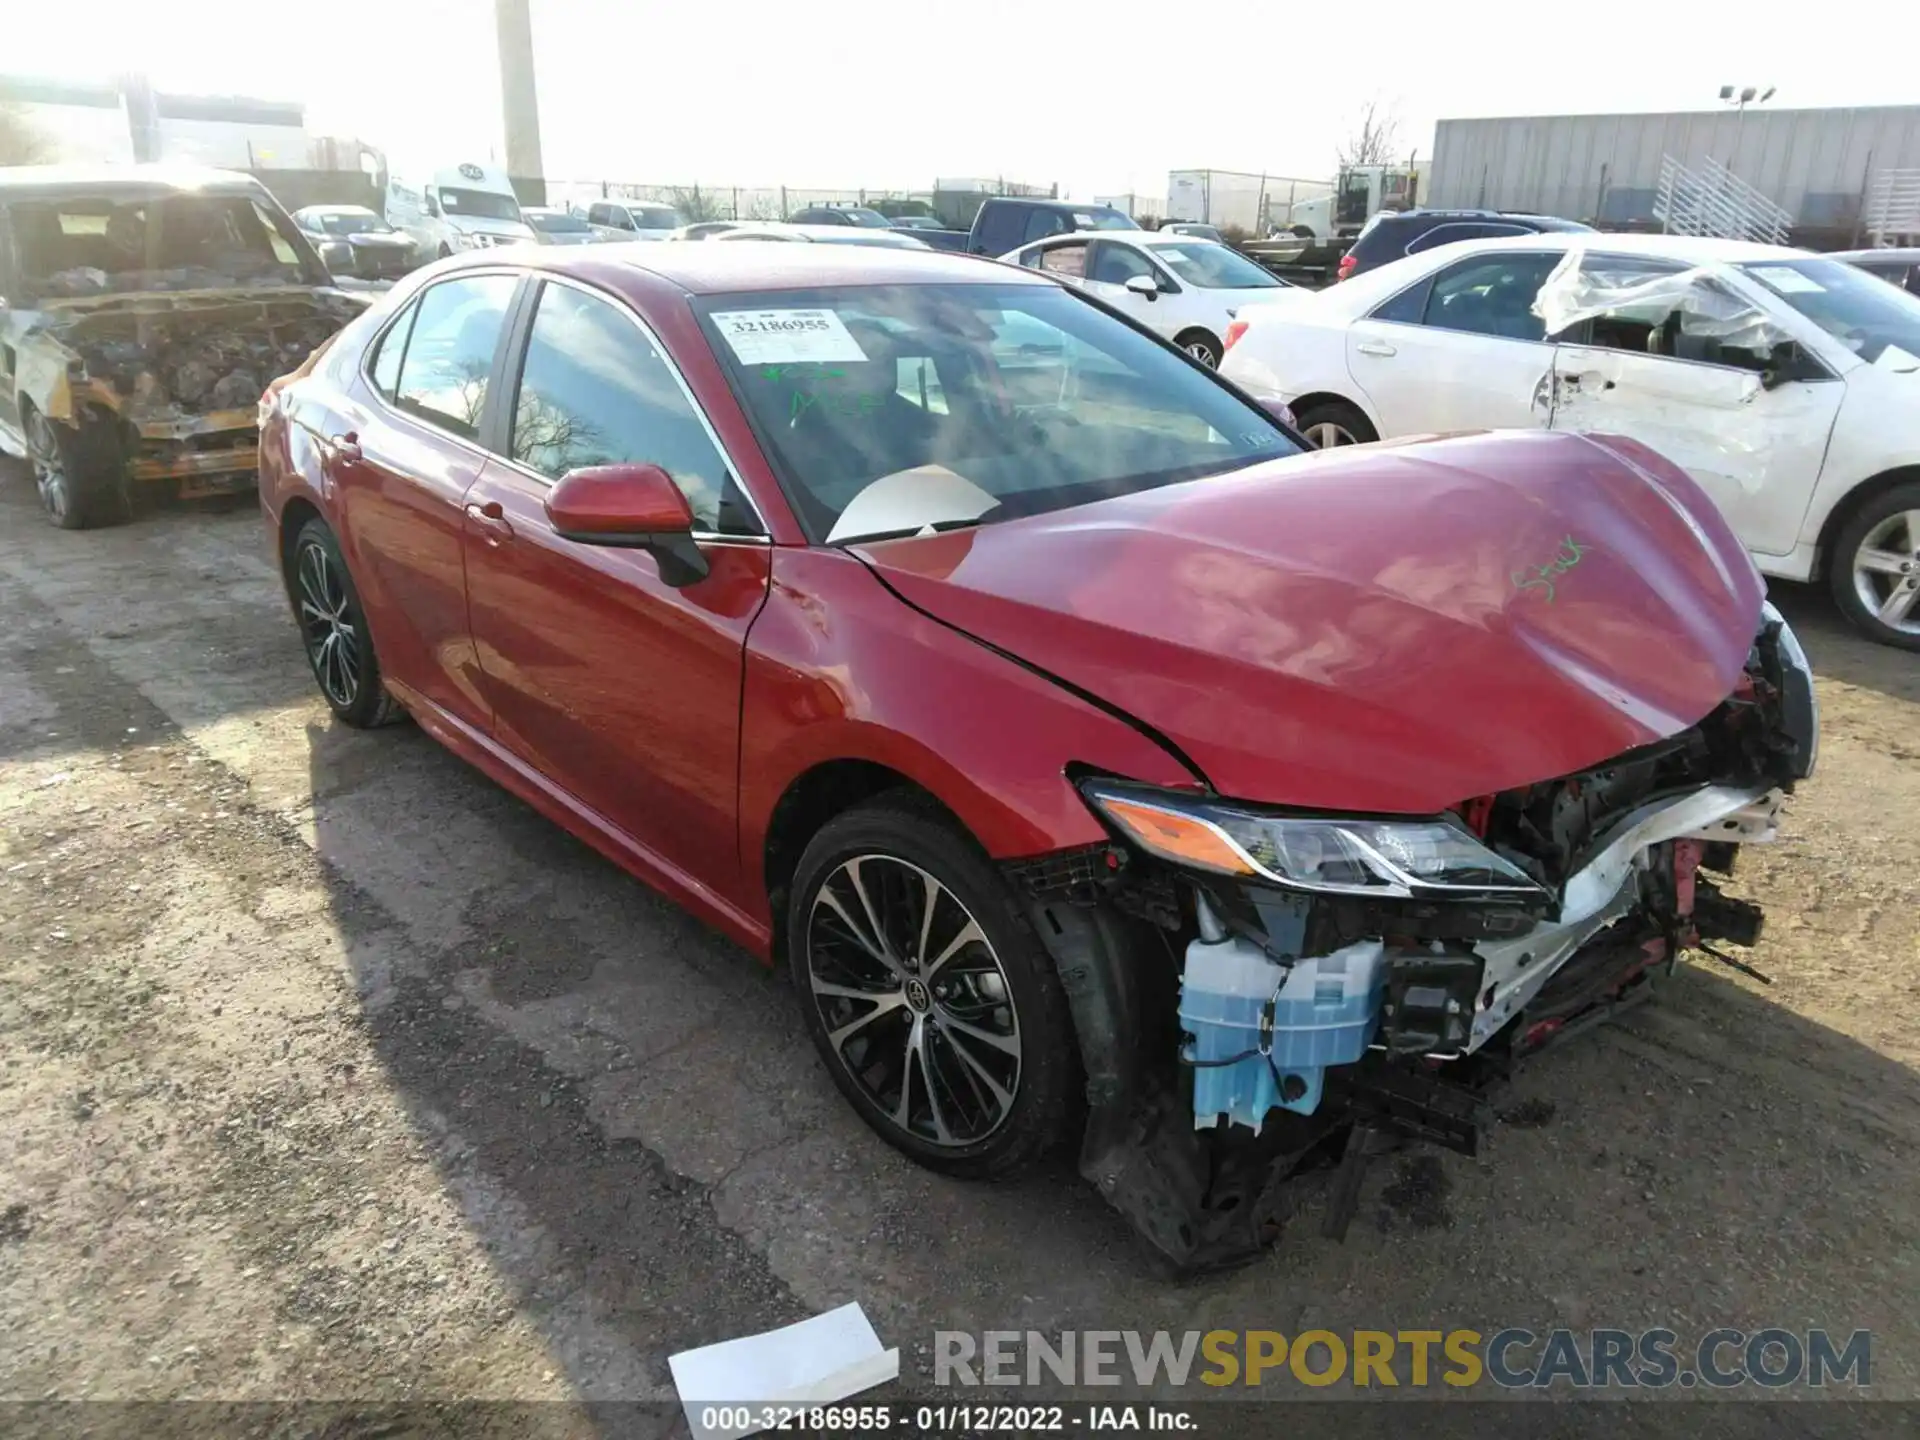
<point x="519" y="97"/>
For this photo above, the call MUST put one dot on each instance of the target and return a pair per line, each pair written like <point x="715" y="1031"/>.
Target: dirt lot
<point x="328" y="1070"/>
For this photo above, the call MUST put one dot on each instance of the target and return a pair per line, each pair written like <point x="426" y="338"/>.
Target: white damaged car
<point x="1786" y="383"/>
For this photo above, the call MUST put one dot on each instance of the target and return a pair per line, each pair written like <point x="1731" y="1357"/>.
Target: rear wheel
<point x="81" y="474"/>
<point x="927" y="993"/>
<point x="1332" y="423"/>
<point x="333" y="629"/>
<point x="1875" y="569"/>
<point x="1202" y="347"/>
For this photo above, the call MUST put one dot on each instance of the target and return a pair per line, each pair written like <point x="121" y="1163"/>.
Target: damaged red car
<point x="1102" y="764"/>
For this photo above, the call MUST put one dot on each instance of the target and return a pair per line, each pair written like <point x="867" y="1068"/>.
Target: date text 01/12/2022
<point x="961" y="1419"/>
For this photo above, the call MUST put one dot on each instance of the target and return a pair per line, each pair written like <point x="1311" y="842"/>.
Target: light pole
<point x="1740" y="98"/>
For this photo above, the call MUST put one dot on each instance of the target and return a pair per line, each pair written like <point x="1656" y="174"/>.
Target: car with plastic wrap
<point x="1786" y="383"/>
<point x="143" y="309"/>
<point x="1100" y="761"/>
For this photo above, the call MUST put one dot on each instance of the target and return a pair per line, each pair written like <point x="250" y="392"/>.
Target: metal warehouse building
<point x="1605" y="169"/>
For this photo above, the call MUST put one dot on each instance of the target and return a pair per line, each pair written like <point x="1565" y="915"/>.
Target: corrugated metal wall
<point x="1813" y="162"/>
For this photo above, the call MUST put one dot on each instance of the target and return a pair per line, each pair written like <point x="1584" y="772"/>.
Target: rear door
<point x="1683" y="375"/>
<point x="617" y="686"/>
<point x="402" y="463"/>
<point x="1459" y="350"/>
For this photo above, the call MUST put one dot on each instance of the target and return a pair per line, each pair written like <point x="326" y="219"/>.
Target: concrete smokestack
<point x="519" y="97"/>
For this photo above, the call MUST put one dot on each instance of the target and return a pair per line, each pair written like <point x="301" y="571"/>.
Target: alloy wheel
<point x="1886" y="571"/>
<point x="49" y="472"/>
<point x="913" y="999"/>
<point x="327" y="626"/>
<point x="1202" y="352"/>
<point x="1326" y="435"/>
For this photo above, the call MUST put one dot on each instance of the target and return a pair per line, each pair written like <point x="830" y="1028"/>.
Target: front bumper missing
<point x="1606" y="890"/>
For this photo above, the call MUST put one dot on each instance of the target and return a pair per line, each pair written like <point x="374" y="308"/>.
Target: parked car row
<point x="1104" y="767"/>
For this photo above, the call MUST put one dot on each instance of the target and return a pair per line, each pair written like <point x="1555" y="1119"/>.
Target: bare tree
<point x="1373" y="141"/>
<point x="695" y="204"/>
<point x="20" y="142"/>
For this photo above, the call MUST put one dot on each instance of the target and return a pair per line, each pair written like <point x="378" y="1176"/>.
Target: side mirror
<point x="630" y="507"/>
<point x="1786" y="362"/>
<point x="1143" y="285"/>
<point x="433" y="205"/>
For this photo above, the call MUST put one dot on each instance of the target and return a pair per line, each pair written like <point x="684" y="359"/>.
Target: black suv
<point x="1391" y="234"/>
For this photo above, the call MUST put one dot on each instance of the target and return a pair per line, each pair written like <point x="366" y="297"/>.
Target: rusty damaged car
<point x="143" y="309"/>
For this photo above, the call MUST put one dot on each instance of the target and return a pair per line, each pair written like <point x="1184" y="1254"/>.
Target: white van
<point x="462" y="207"/>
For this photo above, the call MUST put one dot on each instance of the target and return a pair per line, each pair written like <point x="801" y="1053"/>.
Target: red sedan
<point x="1095" y="758"/>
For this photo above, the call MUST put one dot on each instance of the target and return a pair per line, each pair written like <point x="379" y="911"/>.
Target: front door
<point x="618" y="687"/>
<point x="1111" y="263"/>
<point x="1680" y="368"/>
<point x="1462" y="350"/>
<point x="402" y="467"/>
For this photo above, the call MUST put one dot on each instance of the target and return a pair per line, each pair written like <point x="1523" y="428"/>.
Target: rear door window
<point x="1069" y="262"/>
<point x="450" y="350"/>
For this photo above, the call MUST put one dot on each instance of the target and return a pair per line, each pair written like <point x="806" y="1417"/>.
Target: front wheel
<point x="1875" y="569"/>
<point x="81" y="474"/>
<point x="1202" y="347"/>
<point x="333" y="629"/>
<point x="927" y="993"/>
<point x="1332" y="423"/>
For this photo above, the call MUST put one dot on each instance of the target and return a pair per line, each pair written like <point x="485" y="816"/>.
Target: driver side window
<point x="1115" y="264"/>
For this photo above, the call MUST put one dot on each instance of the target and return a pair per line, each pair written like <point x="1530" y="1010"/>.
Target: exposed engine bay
<point x="1255" y="991"/>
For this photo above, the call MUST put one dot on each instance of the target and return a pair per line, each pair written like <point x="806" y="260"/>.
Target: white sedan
<point x="1787" y="384"/>
<point x="1183" y="287"/>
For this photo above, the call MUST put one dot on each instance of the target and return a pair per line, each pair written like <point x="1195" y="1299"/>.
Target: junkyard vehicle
<point x="1179" y="286"/>
<point x="1391" y="236"/>
<point x="353" y="241"/>
<point x="861" y="215"/>
<point x="887" y="239"/>
<point x="559" y="227"/>
<point x="142" y="311"/>
<point x="1899" y="266"/>
<point x="1785" y="383"/>
<point x="455" y="208"/>
<point x="1095" y="757"/>
<point x="633" y="220"/>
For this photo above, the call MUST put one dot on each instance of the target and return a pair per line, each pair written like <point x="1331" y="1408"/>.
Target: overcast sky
<point x="1103" y="98"/>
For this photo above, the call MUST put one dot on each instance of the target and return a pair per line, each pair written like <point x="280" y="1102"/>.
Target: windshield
<point x="348" y="223"/>
<point x="86" y="246"/>
<point x="1213" y="267"/>
<point x="1863" y="313"/>
<point x="555" y="224"/>
<point x="888" y="409"/>
<point x="654" y="217"/>
<point x="480" y="204"/>
<point x="1102" y="220"/>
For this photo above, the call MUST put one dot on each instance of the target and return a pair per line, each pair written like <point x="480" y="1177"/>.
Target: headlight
<point x="1436" y="858"/>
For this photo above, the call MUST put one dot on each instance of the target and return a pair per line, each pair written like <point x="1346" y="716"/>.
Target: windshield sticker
<point x="1542" y="577"/>
<point x="787" y="337"/>
<point x="1788" y="281"/>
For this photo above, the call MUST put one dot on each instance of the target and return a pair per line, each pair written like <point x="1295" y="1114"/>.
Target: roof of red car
<point x="709" y="268"/>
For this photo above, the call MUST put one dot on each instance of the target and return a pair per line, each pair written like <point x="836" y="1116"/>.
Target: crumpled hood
<point x="1389" y="628"/>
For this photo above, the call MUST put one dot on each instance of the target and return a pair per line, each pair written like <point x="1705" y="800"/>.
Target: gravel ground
<point x="329" y="1071"/>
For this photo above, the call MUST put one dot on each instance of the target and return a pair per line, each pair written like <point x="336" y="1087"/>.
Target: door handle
<point x="346" y="446"/>
<point x="1375" y="347"/>
<point x="489" y="517"/>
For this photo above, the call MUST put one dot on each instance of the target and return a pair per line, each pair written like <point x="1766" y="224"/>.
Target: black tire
<point x="81" y="473"/>
<point x="326" y="605"/>
<point x="445" y="252"/>
<point x="1880" y="527"/>
<point x="1202" y="346"/>
<point x="1302" y="232"/>
<point x="988" y="1131"/>
<point x="1335" y="420"/>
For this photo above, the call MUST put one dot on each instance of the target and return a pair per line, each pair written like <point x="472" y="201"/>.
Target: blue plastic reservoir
<point x="1325" y="1009"/>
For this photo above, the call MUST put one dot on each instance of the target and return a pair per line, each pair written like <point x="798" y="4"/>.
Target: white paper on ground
<point x="814" y="1362"/>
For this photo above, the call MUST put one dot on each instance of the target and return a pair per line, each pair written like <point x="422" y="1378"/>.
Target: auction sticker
<point x="787" y="337"/>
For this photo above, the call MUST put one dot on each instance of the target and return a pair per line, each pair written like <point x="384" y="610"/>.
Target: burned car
<point x="143" y="310"/>
<point x="1100" y="762"/>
